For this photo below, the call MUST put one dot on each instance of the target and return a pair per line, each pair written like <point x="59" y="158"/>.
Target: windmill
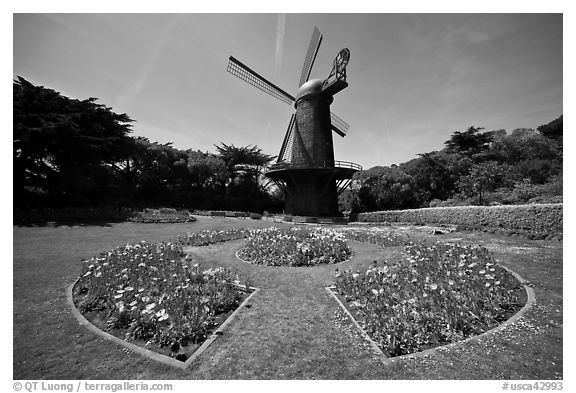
<point x="305" y="170"/>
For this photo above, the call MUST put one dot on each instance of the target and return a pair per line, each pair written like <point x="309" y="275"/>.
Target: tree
<point x="207" y="170"/>
<point x="245" y="165"/>
<point x="61" y="145"/>
<point x="386" y="188"/>
<point x="553" y="130"/>
<point x="483" y="178"/>
<point x="532" y="155"/>
<point x="160" y="171"/>
<point x="469" y="142"/>
<point x="523" y="144"/>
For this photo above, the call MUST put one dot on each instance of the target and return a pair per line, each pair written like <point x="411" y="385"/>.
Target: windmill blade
<point x="236" y="68"/>
<point x="285" y="154"/>
<point x="339" y="126"/>
<point x="310" y="55"/>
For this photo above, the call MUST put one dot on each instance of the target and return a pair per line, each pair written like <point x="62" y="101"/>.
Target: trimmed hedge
<point x="220" y="213"/>
<point x="536" y="218"/>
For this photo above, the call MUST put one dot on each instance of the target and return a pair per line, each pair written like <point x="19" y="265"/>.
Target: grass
<point x="293" y="329"/>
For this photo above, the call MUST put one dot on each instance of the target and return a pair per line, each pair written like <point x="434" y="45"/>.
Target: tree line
<point x="474" y="168"/>
<point x="69" y="152"/>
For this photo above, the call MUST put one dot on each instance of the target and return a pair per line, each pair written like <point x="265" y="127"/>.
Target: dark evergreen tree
<point x="62" y="146"/>
<point x="469" y="142"/>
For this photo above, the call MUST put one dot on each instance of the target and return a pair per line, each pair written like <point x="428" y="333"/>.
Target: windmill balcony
<point x="325" y="164"/>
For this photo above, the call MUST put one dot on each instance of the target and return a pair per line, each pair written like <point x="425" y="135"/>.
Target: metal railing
<point x="325" y="164"/>
<point x="347" y="164"/>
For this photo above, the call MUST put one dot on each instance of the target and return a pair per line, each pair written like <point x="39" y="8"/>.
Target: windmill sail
<point x="238" y="69"/>
<point x="339" y="126"/>
<point x="286" y="149"/>
<point x="310" y="56"/>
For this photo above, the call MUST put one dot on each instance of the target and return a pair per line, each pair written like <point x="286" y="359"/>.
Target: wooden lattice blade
<point x="285" y="154"/>
<point x="310" y="55"/>
<point x="238" y="69"/>
<point x="339" y="126"/>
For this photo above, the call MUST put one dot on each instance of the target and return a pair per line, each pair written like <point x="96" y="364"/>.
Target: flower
<point x="164" y="317"/>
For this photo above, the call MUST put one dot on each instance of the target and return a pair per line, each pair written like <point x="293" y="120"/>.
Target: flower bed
<point x="149" y="293"/>
<point x="380" y="238"/>
<point x="207" y="237"/>
<point x="294" y="247"/>
<point x="164" y="215"/>
<point x="440" y="293"/>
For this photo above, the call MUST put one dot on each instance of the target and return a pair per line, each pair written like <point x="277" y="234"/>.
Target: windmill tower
<point x="306" y="170"/>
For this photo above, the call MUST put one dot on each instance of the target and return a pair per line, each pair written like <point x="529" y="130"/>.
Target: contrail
<point x="280" y="30"/>
<point x="133" y="89"/>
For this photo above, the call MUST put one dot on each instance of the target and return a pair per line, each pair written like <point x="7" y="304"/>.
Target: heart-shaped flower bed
<point x="151" y="295"/>
<point x="439" y="294"/>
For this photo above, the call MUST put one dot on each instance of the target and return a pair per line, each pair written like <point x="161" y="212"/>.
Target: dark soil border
<point x="167" y="360"/>
<point x="531" y="298"/>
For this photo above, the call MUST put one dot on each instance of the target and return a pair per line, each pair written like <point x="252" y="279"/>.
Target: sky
<point x="414" y="79"/>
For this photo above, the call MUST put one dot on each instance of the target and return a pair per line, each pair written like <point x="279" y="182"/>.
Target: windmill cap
<point x="310" y="87"/>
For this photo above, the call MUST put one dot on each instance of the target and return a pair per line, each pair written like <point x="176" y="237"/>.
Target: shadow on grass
<point x="69" y="223"/>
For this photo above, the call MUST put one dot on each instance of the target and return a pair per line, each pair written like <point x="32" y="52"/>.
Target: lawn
<point x="293" y="330"/>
